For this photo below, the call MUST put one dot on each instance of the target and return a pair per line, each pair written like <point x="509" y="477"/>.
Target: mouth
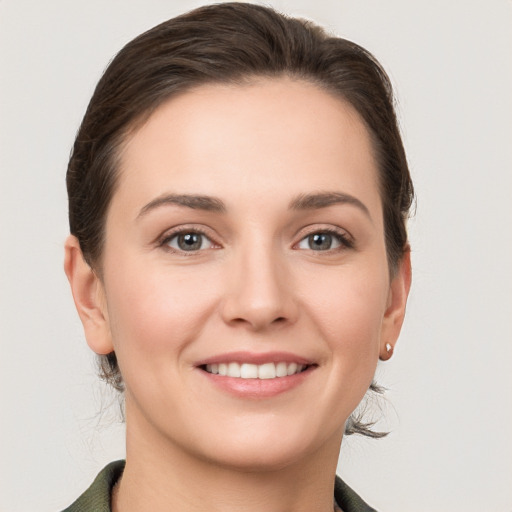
<point x="264" y="371"/>
<point x="256" y="376"/>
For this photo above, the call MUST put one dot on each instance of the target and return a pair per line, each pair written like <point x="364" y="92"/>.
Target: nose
<point x="259" y="292"/>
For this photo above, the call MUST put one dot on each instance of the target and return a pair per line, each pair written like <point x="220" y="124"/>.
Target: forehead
<point x="267" y="135"/>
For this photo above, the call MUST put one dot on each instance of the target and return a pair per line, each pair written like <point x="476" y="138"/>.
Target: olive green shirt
<point x="97" y="497"/>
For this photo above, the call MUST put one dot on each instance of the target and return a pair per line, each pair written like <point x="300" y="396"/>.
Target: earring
<point x="388" y="353"/>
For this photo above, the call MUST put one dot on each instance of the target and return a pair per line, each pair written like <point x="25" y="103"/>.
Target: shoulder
<point x="348" y="500"/>
<point x="97" y="497"/>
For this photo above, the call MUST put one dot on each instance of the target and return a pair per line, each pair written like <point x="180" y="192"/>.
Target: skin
<point x="256" y="285"/>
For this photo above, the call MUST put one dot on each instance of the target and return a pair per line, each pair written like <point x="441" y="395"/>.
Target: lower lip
<point x="258" y="388"/>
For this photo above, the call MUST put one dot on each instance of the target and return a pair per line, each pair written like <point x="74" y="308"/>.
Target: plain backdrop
<point x="449" y="404"/>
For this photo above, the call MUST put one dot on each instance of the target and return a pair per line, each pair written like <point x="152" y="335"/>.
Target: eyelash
<point x="168" y="237"/>
<point x="341" y="237"/>
<point x="344" y="240"/>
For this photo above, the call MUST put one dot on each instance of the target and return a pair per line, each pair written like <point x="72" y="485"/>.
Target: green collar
<point x="97" y="497"/>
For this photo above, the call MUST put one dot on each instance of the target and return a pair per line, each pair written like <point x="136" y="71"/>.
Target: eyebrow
<point x="213" y="204"/>
<point x="325" y="199"/>
<point x="195" y="202"/>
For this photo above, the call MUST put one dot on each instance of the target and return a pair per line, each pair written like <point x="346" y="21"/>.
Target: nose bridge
<point x="260" y="292"/>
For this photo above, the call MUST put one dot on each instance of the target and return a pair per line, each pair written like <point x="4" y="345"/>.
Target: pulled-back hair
<point x="228" y="43"/>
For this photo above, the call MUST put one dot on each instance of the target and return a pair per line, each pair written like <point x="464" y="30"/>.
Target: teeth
<point x="255" y="371"/>
<point x="267" y="371"/>
<point x="281" y="370"/>
<point x="292" y="368"/>
<point x="247" y="371"/>
<point x="234" y="370"/>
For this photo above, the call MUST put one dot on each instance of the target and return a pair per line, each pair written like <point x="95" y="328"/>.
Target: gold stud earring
<point x="384" y="356"/>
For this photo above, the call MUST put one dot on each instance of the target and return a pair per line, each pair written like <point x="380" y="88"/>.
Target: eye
<point x="188" y="241"/>
<point x="324" y="241"/>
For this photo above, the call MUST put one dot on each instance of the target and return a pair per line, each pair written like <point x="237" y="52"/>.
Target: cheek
<point x="156" y="312"/>
<point x="349" y="312"/>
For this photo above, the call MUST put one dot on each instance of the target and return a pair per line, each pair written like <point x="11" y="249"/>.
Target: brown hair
<point x="227" y="43"/>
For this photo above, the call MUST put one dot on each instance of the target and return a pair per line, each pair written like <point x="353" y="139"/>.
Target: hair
<point x="228" y="43"/>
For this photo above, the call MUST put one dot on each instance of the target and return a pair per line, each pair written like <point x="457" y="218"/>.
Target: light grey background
<point x="450" y="399"/>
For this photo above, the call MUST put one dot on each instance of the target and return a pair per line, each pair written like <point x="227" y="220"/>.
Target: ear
<point x="89" y="297"/>
<point x="395" y="312"/>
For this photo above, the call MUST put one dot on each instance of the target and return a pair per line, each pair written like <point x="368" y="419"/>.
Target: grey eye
<point x="188" y="241"/>
<point x="320" y="242"/>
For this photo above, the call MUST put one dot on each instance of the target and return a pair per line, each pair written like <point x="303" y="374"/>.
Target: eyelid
<point x="346" y="239"/>
<point x="169" y="234"/>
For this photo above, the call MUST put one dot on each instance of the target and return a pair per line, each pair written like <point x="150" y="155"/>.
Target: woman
<point x="238" y="193"/>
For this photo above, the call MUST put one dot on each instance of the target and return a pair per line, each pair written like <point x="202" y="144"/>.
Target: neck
<point x="161" y="476"/>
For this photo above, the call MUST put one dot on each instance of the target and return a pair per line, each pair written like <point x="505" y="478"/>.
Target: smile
<point x="255" y="371"/>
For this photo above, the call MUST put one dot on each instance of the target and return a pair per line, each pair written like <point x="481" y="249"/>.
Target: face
<point x="245" y="286"/>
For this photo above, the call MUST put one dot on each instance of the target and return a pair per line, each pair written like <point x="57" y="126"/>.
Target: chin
<point x="273" y="451"/>
<point x="252" y="460"/>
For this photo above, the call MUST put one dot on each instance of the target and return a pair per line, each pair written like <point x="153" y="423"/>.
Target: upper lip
<point x="255" y="358"/>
